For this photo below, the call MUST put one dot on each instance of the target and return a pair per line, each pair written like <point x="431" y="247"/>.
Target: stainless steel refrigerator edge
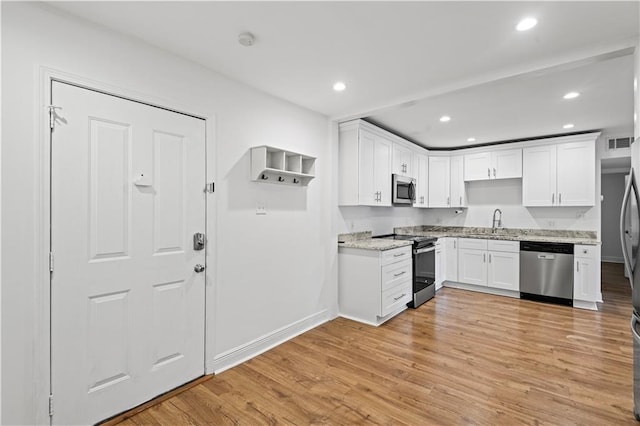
<point x="629" y="239"/>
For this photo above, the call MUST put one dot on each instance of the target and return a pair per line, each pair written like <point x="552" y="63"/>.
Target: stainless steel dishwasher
<point x="546" y="272"/>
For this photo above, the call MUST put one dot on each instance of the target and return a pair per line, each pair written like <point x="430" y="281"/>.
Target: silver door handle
<point x="631" y="186"/>
<point x="634" y="321"/>
<point x="199" y="268"/>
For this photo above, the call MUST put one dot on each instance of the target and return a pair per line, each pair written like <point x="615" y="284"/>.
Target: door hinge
<point x="209" y="188"/>
<point x="52" y="115"/>
<point x="50" y="262"/>
<point x="50" y="405"/>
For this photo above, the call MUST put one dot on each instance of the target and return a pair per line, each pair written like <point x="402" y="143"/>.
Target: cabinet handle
<point x="484" y="258"/>
<point x="461" y="201"/>
<point x="488" y="172"/>
<point x="578" y="266"/>
<point x="489" y="257"/>
<point x="494" y="172"/>
<point x="398" y="255"/>
<point x="454" y="244"/>
<point x="560" y="198"/>
<point x="448" y="202"/>
<point x="553" y="198"/>
<point x="401" y="273"/>
<point x="395" y="299"/>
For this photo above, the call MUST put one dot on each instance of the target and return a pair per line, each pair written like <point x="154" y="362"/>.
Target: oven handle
<point x="425" y="250"/>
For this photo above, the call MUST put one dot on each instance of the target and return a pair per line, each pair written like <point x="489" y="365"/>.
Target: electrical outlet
<point x="261" y="209"/>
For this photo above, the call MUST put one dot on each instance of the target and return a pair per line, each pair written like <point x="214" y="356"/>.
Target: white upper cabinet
<point x="499" y="164"/>
<point x="559" y="175"/>
<point x="364" y="166"/>
<point x="457" y="191"/>
<point x="422" y="181"/>
<point x="439" y="182"/>
<point x="576" y="174"/>
<point x="402" y="160"/>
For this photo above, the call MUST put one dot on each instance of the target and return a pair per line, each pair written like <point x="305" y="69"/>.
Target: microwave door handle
<point x="412" y="192"/>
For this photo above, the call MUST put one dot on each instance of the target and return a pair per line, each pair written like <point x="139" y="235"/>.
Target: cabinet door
<point x="458" y="194"/>
<point x="506" y="164"/>
<point x="422" y="182"/>
<point x="439" y="176"/>
<point x="584" y="280"/>
<point x="539" y="176"/>
<point x="402" y="160"/>
<point x="477" y="166"/>
<point x="451" y="259"/>
<point x="504" y="270"/>
<point x="440" y="264"/>
<point x="382" y="170"/>
<point x="576" y="165"/>
<point x="472" y="266"/>
<point x="367" y="180"/>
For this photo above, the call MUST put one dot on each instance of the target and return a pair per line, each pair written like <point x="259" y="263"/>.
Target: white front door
<point x="127" y="307"/>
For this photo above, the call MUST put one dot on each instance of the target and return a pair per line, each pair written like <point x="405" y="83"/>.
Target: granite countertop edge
<point x="379" y="244"/>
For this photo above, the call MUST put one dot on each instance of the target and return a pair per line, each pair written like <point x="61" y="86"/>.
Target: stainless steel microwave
<point x="403" y="190"/>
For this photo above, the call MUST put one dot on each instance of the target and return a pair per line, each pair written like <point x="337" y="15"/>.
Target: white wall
<point x="485" y="196"/>
<point x="272" y="271"/>
<point x="612" y="191"/>
<point x="378" y="220"/>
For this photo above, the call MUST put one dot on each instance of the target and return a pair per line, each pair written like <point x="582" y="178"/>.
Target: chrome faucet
<point x="496" y="223"/>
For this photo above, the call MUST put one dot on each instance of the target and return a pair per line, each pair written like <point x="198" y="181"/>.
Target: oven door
<point x="424" y="275"/>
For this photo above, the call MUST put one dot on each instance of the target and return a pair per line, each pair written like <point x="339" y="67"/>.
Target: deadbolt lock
<point x="198" y="241"/>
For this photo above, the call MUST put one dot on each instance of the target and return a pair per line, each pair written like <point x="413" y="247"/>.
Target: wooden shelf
<point x="274" y="165"/>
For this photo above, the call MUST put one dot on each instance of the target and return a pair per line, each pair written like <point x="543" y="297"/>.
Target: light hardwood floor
<point x="462" y="358"/>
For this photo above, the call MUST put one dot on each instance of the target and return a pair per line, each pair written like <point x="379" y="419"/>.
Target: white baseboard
<point x="245" y="352"/>
<point x="612" y="259"/>
<point x="592" y="306"/>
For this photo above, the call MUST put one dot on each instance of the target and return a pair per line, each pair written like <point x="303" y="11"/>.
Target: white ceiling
<point x="406" y="63"/>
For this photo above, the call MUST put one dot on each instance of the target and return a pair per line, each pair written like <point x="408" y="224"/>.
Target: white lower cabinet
<point x="441" y="261"/>
<point x="374" y="286"/>
<point x="586" y="276"/>
<point x="489" y="263"/>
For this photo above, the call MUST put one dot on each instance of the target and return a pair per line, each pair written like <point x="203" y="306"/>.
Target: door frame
<point x="42" y="314"/>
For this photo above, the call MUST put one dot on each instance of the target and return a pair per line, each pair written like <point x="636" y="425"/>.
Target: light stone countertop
<point x="363" y="240"/>
<point x="536" y="235"/>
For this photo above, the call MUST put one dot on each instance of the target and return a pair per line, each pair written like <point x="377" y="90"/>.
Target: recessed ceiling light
<point x="526" y="24"/>
<point x="568" y="126"/>
<point x="571" y="95"/>
<point x="445" y="118"/>
<point x="339" y="86"/>
<point x="246" y="39"/>
<point x="471" y="139"/>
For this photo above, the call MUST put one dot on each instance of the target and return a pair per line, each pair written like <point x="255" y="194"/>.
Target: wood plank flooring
<point x="462" y="358"/>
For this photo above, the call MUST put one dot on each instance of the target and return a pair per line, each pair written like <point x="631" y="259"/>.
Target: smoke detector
<point x="246" y="39"/>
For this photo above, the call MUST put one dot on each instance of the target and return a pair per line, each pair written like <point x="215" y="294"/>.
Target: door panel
<point x="127" y="308"/>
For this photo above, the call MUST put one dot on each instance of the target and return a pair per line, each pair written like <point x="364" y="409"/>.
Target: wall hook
<point x="295" y="180"/>
<point x="264" y="177"/>
<point x="280" y="179"/>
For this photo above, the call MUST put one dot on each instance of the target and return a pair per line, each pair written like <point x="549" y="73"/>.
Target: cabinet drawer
<point x="472" y="243"/>
<point x="394" y="273"/>
<point x="396" y="255"/>
<point x="584" y="251"/>
<point x="395" y="297"/>
<point x="508" y="246"/>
